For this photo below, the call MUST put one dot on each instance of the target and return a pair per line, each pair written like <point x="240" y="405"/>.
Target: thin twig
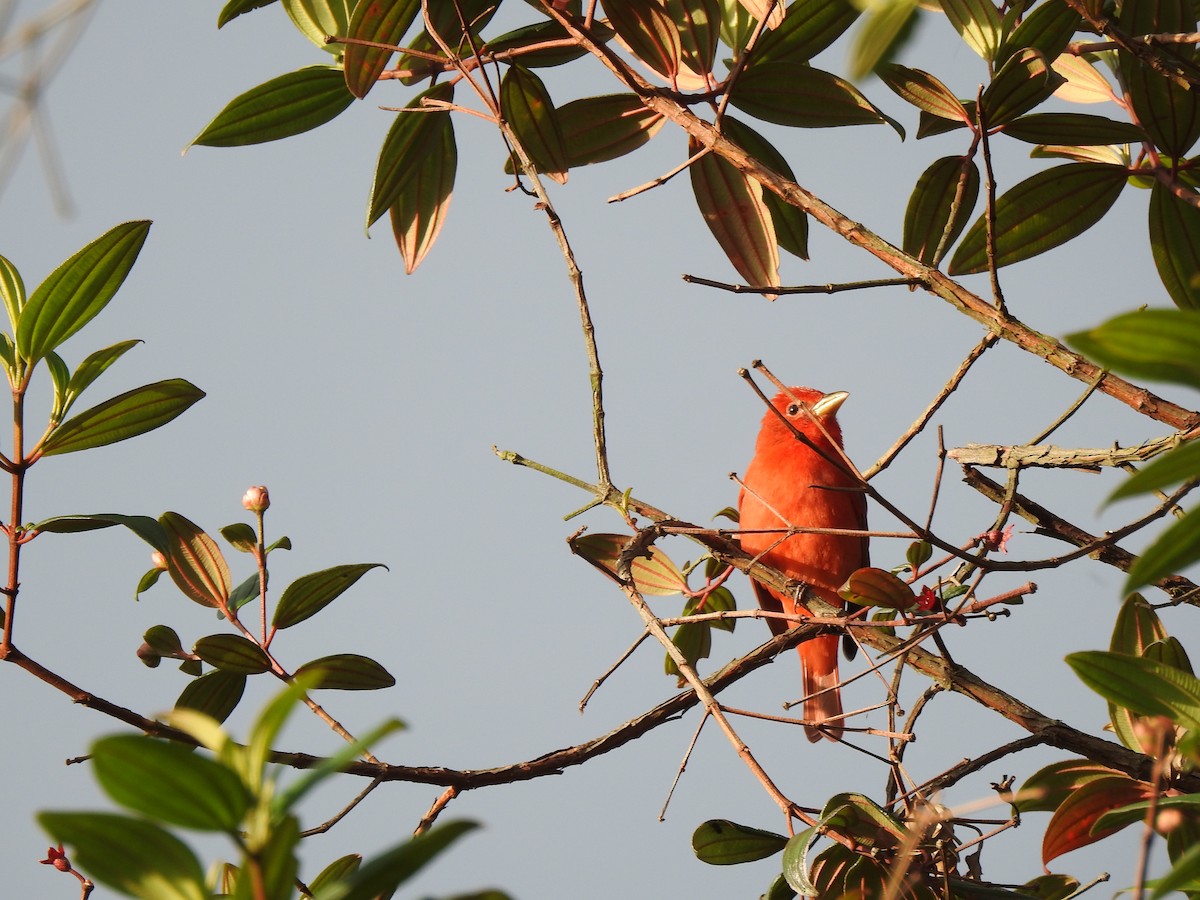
<point x="829" y="288"/>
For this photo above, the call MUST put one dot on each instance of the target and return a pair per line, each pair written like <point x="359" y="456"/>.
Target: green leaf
<point x="1024" y="82"/>
<point x="1173" y="467"/>
<point x="1048" y="28"/>
<point x="1143" y="685"/>
<point x="790" y="222"/>
<point x="381" y="22"/>
<point x="1184" y="875"/>
<point x="309" y="594"/>
<point x="241" y="537"/>
<point x="648" y="32"/>
<point x="1071" y="128"/>
<point x="529" y="110"/>
<point x="886" y="29"/>
<point x="132" y="856"/>
<point x="800" y="96"/>
<point x="1050" y="887"/>
<point x="694" y="641"/>
<point x="734" y="211"/>
<point x="232" y="653"/>
<point x="125" y="416"/>
<point x="540" y="33"/>
<point x="285" y="106"/>
<point x="597" y="129"/>
<point x="861" y="817"/>
<point x="92" y="368"/>
<point x="420" y="211"/>
<point x="319" y="19"/>
<point x="170" y="782"/>
<point x="795" y="862"/>
<point x="924" y="91"/>
<point x="1158" y="344"/>
<point x="412" y="138"/>
<point x="931" y="212"/>
<point x="164" y="640"/>
<point x="249" y="589"/>
<point x="720" y="842"/>
<point x="74" y="293"/>
<point x="144" y="527"/>
<point x="332" y="765"/>
<point x="216" y="694"/>
<point x="653" y="574"/>
<point x="348" y="672"/>
<point x="1175" y="243"/>
<point x="1168" y="112"/>
<point x="1041" y="213"/>
<point x="697" y="23"/>
<point x="195" y="561"/>
<point x="12" y="291"/>
<point x="720" y="599"/>
<point x="1173" y="550"/>
<point x="235" y="8"/>
<point x="337" y="870"/>
<point x="977" y="22"/>
<point x="60" y="375"/>
<point x="808" y="27"/>
<point x="393" y="867"/>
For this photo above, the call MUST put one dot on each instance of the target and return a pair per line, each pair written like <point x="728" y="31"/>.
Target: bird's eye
<point x="793" y="409"/>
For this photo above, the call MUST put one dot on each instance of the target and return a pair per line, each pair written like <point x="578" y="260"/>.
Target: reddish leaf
<point x="655" y="574"/>
<point x="977" y="22"/>
<point x="1175" y="243"/>
<point x="195" y="561"/>
<point x="646" y="29"/>
<point x="381" y="22"/>
<point x="215" y="694"/>
<point x="420" y="211"/>
<point x="596" y="129"/>
<point x="1071" y="825"/>
<point x="1047" y="788"/>
<point x="1047" y="28"/>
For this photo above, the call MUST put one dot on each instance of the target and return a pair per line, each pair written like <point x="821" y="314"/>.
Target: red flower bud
<point x="256" y="499"/>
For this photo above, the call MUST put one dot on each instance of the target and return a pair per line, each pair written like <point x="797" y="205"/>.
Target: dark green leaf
<point x="164" y="640"/>
<point x="331" y="765"/>
<point x="1047" y="29"/>
<point x="381" y="22"/>
<point x="282" y="107"/>
<point x="791" y="222"/>
<point x="530" y="111"/>
<point x="309" y="594"/>
<point x="144" y="527"/>
<point x="932" y="219"/>
<point x="694" y="640"/>
<point x="697" y="23"/>
<point x="736" y="214"/>
<point x="412" y="137"/>
<point x="1143" y="685"/>
<point x="800" y="96"/>
<point x="720" y="599"/>
<point x="1175" y="243"/>
<point x="195" y="561"/>
<point x="125" y="416"/>
<point x="877" y="587"/>
<point x="240" y="536"/>
<point x="808" y="27"/>
<point x="1173" y="550"/>
<point x="720" y="842"/>
<point x="420" y="211"/>
<point x="348" y="672"/>
<point x="1071" y="128"/>
<point x="74" y="293"/>
<point x="1168" y="112"/>
<point x="279" y="862"/>
<point x="1024" y="82"/>
<point x="1159" y="344"/>
<point x="1174" y="467"/>
<point x="170" y="782"/>
<point x="860" y="816"/>
<point x="235" y="8"/>
<point x="1041" y="213"/>
<point x="539" y="33"/>
<point x="1136" y="631"/>
<point x="249" y="589"/>
<point x="215" y="694"/>
<point x="132" y="856"/>
<point x="392" y="868"/>
<point x="925" y="92"/>
<point x="1049" y="887"/>
<point x="1073" y="823"/>
<point x="597" y="129"/>
<point x="232" y="653"/>
<point x="649" y="33"/>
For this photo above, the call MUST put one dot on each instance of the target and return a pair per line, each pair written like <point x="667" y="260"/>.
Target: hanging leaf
<point x="758" y="9"/>
<point x="1175" y="243"/>
<point x="235" y="8"/>
<point x="597" y="129"/>
<point x="232" y="653"/>
<point x="720" y="842"/>
<point x="1084" y="84"/>
<point x="215" y="694"/>
<point x="1041" y="213"/>
<point x="1022" y="84"/>
<point x="75" y="293"/>
<point x="1168" y="112"/>
<point x="381" y="22"/>
<point x="1157" y="344"/>
<point x="420" y="211"/>
<point x="697" y="23"/>
<point x="733" y="209"/>
<point x="529" y="110"/>
<point x="978" y="23"/>
<point x="195" y="561"/>
<point x="925" y="92"/>
<point x="648" y="32"/>
<point x="1046" y="789"/>
<point x="800" y="96"/>
<point x="1173" y="467"/>
<point x="413" y="137"/>
<point x="1072" y="128"/>
<point x="309" y="594"/>
<point x="347" y="672"/>
<point x="928" y="216"/>
<point x="654" y="574"/>
<point x="282" y="107"/>
<point x="790" y="222"/>
<point x="124" y="416"/>
<point x="319" y="19"/>
<point x="809" y="27"/>
<point x="1071" y="825"/>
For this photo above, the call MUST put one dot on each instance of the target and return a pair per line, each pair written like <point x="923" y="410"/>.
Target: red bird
<point x="784" y="487"/>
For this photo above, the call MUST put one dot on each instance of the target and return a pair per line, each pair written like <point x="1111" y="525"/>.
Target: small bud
<point x="149" y="656"/>
<point x="57" y="858"/>
<point x="1168" y="820"/>
<point x="158" y="561"/>
<point x="256" y="499"/>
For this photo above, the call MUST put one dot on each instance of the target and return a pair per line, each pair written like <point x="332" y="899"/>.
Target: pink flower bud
<point x="158" y="560"/>
<point x="256" y="499"/>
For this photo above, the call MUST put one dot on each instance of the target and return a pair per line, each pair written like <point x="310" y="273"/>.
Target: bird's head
<point x="803" y="408"/>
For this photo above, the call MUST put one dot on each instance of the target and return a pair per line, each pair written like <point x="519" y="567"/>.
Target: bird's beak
<point x="830" y="404"/>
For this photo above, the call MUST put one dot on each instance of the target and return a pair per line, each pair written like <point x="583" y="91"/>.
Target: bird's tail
<point x="823" y="698"/>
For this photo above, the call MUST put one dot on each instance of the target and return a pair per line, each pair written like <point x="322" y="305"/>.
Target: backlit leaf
<point x="734" y="210"/>
<point x="12" y="291"/>
<point x="74" y="293"/>
<point x="791" y="222"/>
<point x="877" y="587"/>
<point x="421" y="208"/>
<point x="232" y="653"/>
<point x="648" y="32"/>
<point x="1175" y="243"/>
<point x="195" y="561"/>
<point x="1071" y="825"/>
<point x="800" y="96"/>
<point x="540" y="33"/>
<point x="977" y="22"/>
<point x="1174" y="550"/>
<point x="694" y="642"/>
<point x="1048" y="28"/>
<point x="1047" y="788"/>
<point x="720" y="842"/>
<point x="809" y="27"/>
<point x="309" y="594"/>
<point x="413" y="137"/>
<point x="925" y="92"/>
<point x="530" y="112"/>
<point x="597" y="129"/>
<point x="125" y="416"/>
<point x="1072" y="128"/>
<point x="282" y="107"/>
<point x="93" y="367"/>
<point x="318" y="19"/>
<point x="654" y="574"/>
<point x="1158" y="344"/>
<point x="381" y="22"/>
<point x="347" y="672"/>
<point x="1041" y="213"/>
<point x="215" y="694"/>
<point x="932" y="202"/>
<point x="1021" y="84"/>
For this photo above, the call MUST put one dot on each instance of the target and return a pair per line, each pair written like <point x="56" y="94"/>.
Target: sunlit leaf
<point x="800" y="96"/>
<point x="1157" y="344"/>
<point x="885" y="30"/>
<point x="125" y="416"/>
<point x="860" y="816"/>
<point x="133" y="856"/>
<point x="648" y="32"/>
<point x="720" y="842"/>
<point x="758" y="9"/>
<point x="74" y="293"/>
<point x="1175" y="243"/>
<point x="381" y="875"/>
<point x="235" y="8"/>
<point x="1047" y="788"/>
<point x="413" y="137"/>
<point x="697" y="23"/>
<point x="1047" y="28"/>
<point x="693" y="640"/>
<point x="977" y="22"/>
<point x="1183" y="876"/>
<point x="737" y="25"/>
<point x="1071" y="128"/>
<point x="380" y="22"/>
<point x="1141" y="684"/>
<point x="309" y="594"/>
<point x="928" y="219"/>
<point x="1021" y="84"/>
<point x="530" y="112"/>
<point x="734" y="210"/>
<point x="144" y="527"/>
<point x="195" y="561"/>
<point x="215" y="694"/>
<point x="232" y="653"/>
<point x="421" y="208"/>
<point x="282" y="107"/>
<point x="1041" y="213"/>
<point x="12" y="291"/>
<point x="163" y="639"/>
<point x="319" y="19"/>
<point x="1084" y="84"/>
<point x="1051" y="887"/>
<point x="169" y="782"/>
<point x="791" y="222"/>
<point x="1168" y="112"/>
<point x="597" y="129"/>
<point x="653" y="574"/>
<point x="347" y="672"/>
<point x="1071" y="825"/>
<point x="541" y="33"/>
<point x="925" y="92"/>
<point x="809" y="27"/>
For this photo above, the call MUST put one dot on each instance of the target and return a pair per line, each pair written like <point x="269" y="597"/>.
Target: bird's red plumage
<point x="783" y="487"/>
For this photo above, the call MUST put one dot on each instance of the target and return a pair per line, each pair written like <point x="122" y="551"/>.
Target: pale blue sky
<point x="368" y="402"/>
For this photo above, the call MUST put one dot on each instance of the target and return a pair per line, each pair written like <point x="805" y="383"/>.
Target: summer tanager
<point x="786" y="486"/>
